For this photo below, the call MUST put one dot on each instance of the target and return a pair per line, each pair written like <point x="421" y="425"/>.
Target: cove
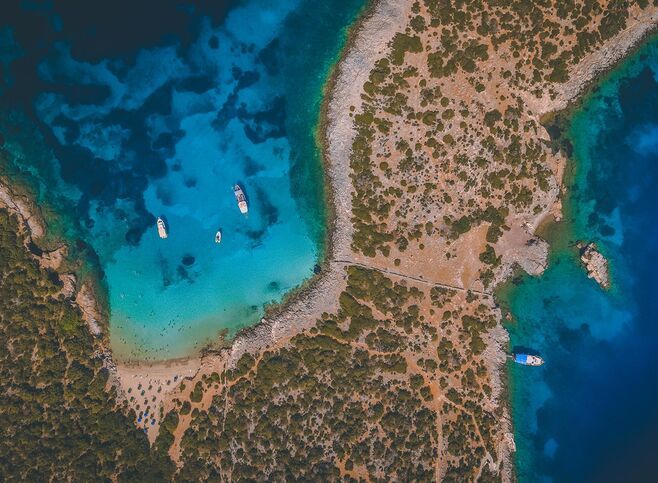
<point x="158" y="110"/>
<point x="589" y="414"/>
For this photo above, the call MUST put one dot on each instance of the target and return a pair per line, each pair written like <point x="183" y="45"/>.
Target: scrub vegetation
<point x="447" y="138"/>
<point x="362" y="394"/>
<point x="58" y="419"/>
<point x="359" y="394"/>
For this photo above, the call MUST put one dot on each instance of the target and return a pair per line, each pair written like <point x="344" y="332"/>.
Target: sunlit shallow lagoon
<point x="160" y="115"/>
<point x="590" y="413"/>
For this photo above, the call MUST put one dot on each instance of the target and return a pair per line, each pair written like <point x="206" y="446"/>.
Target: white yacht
<point x="242" y="201"/>
<point x="162" y="228"/>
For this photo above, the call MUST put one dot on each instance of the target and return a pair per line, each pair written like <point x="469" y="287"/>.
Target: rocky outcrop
<point x="53" y="259"/>
<point x="90" y="313"/>
<point x="20" y="205"/>
<point x="34" y="226"/>
<point x="68" y="285"/>
<point x="605" y="56"/>
<point x="535" y="257"/>
<point x="595" y="264"/>
<point x="520" y="247"/>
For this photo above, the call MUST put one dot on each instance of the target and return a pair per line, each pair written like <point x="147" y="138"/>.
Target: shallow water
<point x="589" y="414"/>
<point x="160" y="115"/>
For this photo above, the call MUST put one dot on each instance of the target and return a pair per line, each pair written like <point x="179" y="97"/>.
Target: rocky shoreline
<point x="20" y="205"/>
<point x="368" y="41"/>
<point x="582" y="77"/>
<point x="34" y="226"/>
<point x="596" y="64"/>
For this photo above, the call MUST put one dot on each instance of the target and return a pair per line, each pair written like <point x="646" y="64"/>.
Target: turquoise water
<point x="161" y="117"/>
<point x="590" y="413"/>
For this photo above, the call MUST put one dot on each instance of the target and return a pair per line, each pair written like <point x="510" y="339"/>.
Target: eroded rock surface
<point x="595" y="264"/>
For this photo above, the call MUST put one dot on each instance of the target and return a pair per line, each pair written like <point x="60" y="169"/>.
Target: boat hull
<point x="528" y="360"/>
<point x="241" y="199"/>
<point x="162" y="228"/>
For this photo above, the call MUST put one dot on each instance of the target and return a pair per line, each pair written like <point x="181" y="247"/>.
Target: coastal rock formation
<point x="33" y="228"/>
<point x="68" y="285"/>
<point x="22" y="207"/>
<point x="90" y="313"/>
<point x="53" y="259"/>
<point x="643" y="22"/>
<point x="536" y="255"/>
<point x="595" y="264"/>
<point x="369" y="41"/>
<point x="54" y="400"/>
<point x="519" y="246"/>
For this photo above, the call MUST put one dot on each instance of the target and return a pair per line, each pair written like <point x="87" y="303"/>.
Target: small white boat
<point x="218" y="236"/>
<point x="528" y="359"/>
<point x="162" y="228"/>
<point x="241" y="199"/>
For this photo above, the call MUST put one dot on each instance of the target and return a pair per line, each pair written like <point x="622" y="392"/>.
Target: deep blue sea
<point x="591" y="412"/>
<point x="120" y="112"/>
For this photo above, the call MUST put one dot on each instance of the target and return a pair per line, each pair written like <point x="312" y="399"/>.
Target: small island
<point x="595" y="264"/>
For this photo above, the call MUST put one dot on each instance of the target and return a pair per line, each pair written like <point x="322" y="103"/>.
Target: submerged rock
<point x="595" y="264"/>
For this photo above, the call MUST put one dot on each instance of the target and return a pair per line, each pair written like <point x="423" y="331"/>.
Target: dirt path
<point x="415" y="279"/>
